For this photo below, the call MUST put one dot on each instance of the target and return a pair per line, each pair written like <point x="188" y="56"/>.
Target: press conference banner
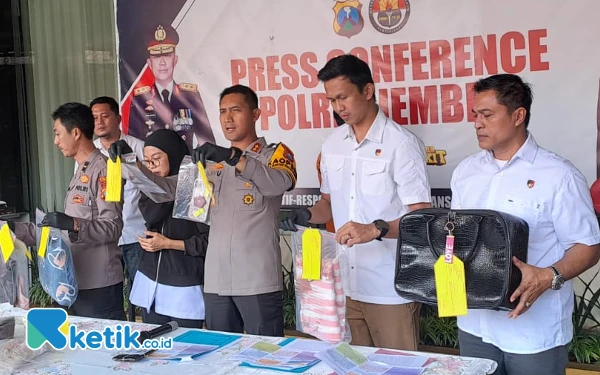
<point x="177" y="56"/>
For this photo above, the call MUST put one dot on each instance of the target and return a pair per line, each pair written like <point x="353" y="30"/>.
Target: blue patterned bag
<point x="57" y="272"/>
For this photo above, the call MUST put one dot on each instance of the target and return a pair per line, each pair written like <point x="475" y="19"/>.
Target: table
<point x="99" y="362"/>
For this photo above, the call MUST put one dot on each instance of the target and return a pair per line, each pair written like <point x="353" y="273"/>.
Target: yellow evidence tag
<point x="207" y="187"/>
<point x="311" y="254"/>
<point x="450" y="282"/>
<point x="114" y="180"/>
<point x="45" y="236"/>
<point x="7" y="244"/>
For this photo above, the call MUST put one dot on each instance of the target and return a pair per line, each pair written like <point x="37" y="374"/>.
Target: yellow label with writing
<point x="450" y="287"/>
<point x="114" y="184"/>
<point x="45" y="236"/>
<point x="311" y="254"/>
<point x="207" y="185"/>
<point x="7" y="244"/>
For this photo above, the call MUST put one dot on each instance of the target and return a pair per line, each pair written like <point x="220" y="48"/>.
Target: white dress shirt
<point x="553" y="197"/>
<point x="133" y="223"/>
<point x="169" y="88"/>
<point x="374" y="179"/>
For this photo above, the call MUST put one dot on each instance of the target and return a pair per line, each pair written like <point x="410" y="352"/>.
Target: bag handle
<point x="429" y="219"/>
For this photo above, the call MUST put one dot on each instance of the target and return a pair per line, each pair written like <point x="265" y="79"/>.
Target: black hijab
<point x="171" y="144"/>
<point x="174" y="146"/>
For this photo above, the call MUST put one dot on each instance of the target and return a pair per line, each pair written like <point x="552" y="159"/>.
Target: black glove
<point x="209" y="151"/>
<point x="11" y="225"/>
<point x="295" y="217"/>
<point x="58" y="220"/>
<point x="119" y="148"/>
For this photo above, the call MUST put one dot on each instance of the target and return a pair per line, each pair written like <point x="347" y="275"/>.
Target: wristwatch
<point x="237" y="154"/>
<point x="558" y="280"/>
<point x="383" y="227"/>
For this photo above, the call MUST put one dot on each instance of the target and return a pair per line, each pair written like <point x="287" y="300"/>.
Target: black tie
<point x="165" y="95"/>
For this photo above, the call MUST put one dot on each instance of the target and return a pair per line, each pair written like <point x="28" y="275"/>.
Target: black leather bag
<point x="484" y="240"/>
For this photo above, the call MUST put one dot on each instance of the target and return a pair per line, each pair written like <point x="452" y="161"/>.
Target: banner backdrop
<point x="425" y="56"/>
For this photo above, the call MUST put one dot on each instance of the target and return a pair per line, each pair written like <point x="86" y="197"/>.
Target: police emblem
<point x="248" y="199"/>
<point x="85" y="179"/>
<point x="78" y="199"/>
<point x="160" y="34"/>
<point x="348" y="19"/>
<point x="389" y="16"/>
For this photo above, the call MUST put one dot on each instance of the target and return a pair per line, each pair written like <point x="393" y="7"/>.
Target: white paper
<point x="399" y="360"/>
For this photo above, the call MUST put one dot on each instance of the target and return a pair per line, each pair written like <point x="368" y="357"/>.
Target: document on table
<point x="217" y="339"/>
<point x="396" y="358"/>
<point x="297" y="356"/>
<point x="346" y="360"/>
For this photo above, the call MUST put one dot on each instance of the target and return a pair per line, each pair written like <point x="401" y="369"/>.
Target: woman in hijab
<point x="168" y="284"/>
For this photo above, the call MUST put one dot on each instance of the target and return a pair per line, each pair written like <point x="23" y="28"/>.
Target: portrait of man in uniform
<point x="167" y="104"/>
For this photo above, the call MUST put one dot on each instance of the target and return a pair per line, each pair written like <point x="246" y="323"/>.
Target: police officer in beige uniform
<point x="94" y="225"/>
<point x="243" y="276"/>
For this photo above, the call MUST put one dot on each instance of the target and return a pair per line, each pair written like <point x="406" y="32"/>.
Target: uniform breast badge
<point x="248" y="199"/>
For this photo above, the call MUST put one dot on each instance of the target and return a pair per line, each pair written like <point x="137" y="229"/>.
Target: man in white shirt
<point x="514" y="175"/>
<point x="373" y="172"/>
<point x="106" y="128"/>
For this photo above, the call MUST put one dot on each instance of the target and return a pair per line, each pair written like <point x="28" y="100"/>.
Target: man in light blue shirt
<point x="106" y="128"/>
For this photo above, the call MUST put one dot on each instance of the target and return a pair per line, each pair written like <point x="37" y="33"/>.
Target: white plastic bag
<point x="14" y="275"/>
<point x="14" y="352"/>
<point x="321" y="304"/>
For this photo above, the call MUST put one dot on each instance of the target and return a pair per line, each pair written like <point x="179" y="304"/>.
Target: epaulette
<point x="141" y="90"/>
<point x="188" y="87"/>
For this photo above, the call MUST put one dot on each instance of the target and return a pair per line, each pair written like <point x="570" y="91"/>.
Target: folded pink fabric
<point x="322" y="302"/>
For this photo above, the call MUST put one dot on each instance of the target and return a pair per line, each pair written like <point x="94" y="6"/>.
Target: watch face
<point x="381" y="224"/>
<point x="558" y="282"/>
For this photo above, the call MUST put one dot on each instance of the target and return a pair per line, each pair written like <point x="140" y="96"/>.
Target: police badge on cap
<point x="163" y="41"/>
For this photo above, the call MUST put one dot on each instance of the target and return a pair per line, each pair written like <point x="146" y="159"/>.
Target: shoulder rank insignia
<point x="256" y="147"/>
<point x="283" y="159"/>
<point x="141" y="90"/>
<point x="188" y="87"/>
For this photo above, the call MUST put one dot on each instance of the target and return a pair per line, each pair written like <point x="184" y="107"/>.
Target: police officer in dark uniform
<point x="167" y="104"/>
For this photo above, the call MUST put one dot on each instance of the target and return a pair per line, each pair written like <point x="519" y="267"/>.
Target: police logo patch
<point x="102" y="182"/>
<point x="348" y="20"/>
<point x="248" y="199"/>
<point x="283" y="159"/>
<point x="389" y="16"/>
<point x="85" y="179"/>
<point x="78" y="199"/>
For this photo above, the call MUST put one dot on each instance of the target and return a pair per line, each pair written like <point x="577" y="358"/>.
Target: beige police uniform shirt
<point x="96" y="254"/>
<point x="243" y="256"/>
